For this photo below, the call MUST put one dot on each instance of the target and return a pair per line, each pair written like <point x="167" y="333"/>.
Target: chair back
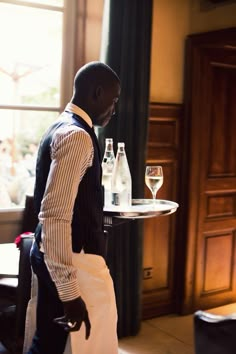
<point x="29" y="223"/>
<point x="24" y="284"/>
<point x="30" y="217"/>
<point x="214" y="334"/>
<point x="12" y="316"/>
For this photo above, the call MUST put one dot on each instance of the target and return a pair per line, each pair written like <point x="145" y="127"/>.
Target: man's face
<point x="106" y="105"/>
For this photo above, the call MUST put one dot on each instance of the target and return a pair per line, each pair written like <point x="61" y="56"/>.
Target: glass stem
<point x="154" y="198"/>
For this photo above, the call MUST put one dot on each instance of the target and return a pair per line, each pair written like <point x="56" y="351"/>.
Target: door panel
<point x="160" y="233"/>
<point x="211" y="114"/>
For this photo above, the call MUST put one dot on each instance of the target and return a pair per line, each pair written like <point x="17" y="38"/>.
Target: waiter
<point x="75" y="289"/>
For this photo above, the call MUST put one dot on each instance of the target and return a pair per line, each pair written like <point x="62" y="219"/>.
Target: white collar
<point x="71" y="107"/>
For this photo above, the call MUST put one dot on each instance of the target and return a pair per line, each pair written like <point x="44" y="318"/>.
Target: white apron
<point x="97" y="291"/>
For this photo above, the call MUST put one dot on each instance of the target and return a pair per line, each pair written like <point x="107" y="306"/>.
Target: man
<point x="75" y="291"/>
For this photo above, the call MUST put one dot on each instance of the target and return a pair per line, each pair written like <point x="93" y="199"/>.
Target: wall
<point x="170" y="27"/>
<point x="172" y="22"/>
<point x="211" y="18"/>
<point x="93" y="30"/>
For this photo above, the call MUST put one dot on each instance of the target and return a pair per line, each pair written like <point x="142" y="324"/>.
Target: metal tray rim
<point x="133" y="213"/>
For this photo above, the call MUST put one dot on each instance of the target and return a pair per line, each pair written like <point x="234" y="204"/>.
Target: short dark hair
<point x="94" y="73"/>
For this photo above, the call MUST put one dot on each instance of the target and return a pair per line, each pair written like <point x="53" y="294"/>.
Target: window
<point x="43" y="43"/>
<point x="31" y="67"/>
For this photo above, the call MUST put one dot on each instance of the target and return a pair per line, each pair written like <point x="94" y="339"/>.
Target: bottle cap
<point x="121" y="144"/>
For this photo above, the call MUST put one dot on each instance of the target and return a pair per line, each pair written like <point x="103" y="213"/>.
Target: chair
<point x="15" y="293"/>
<point x="214" y="334"/>
<point x="8" y="286"/>
<point x="29" y="223"/>
<point x="30" y="218"/>
<point x="12" y="317"/>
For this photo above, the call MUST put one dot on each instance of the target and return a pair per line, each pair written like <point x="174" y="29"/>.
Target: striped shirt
<point x="71" y="154"/>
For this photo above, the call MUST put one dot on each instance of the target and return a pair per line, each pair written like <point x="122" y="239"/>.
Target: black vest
<point x="87" y="220"/>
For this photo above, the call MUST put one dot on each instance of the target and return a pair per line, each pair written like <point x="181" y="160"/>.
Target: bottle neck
<point x="109" y="147"/>
<point x="121" y="149"/>
<point x="109" y="157"/>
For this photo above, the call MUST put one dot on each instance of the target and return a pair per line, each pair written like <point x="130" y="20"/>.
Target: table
<point x="9" y="260"/>
<point x="124" y="256"/>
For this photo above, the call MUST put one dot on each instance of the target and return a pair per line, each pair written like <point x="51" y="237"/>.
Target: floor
<point x="166" y="335"/>
<point x="170" y="334"/>
<point x="163" y="335"/>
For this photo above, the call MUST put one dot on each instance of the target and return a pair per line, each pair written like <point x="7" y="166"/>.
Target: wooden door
<point x="210" y="171"/>
<point x="159" y="293"/>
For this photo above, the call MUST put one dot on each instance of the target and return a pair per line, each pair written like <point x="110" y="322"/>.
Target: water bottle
<point x="121" y="183"/>
<point x="107" y="169"/>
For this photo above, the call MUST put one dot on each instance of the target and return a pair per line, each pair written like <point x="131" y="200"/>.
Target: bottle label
<point x="115" y="199"/>
<point x="121" y="199"/>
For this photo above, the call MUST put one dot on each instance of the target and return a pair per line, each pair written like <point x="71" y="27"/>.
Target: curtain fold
<point x="126" y="47"/>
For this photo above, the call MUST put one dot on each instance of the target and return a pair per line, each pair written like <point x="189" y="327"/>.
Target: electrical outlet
<point x="147" y="273"/>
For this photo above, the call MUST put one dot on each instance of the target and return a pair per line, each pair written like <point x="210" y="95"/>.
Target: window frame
<point x="69" y="29"/>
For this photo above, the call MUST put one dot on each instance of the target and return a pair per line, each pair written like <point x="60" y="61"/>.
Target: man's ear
<point x="99" y="92"/>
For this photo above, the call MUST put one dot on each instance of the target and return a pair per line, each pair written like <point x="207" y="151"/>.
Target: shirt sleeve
<point x="72" y="154"/>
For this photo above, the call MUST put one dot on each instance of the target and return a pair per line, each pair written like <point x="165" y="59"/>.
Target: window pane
<point x="31" y="51"/>
<point x="47" y="2"/>
<point x="19" y="141"/>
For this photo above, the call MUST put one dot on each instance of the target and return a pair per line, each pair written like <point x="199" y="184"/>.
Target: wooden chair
<point x="214" y="334"/>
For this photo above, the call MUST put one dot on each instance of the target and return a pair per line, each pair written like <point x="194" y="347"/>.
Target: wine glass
<point x="154" y="179"/>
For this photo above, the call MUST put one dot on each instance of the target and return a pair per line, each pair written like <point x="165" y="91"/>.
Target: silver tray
<point x="142" y="208"/>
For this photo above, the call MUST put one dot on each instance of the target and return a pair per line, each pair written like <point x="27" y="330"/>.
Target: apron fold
<point x="97" y="291"/>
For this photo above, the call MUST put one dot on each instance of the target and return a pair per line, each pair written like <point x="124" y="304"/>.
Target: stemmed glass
<point x="154" y="179"/>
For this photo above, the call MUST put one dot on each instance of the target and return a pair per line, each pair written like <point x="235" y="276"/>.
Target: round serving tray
<point x="142" y="208"/>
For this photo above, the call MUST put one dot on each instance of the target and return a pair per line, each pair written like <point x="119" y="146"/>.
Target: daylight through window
<point x="30" y="80"/>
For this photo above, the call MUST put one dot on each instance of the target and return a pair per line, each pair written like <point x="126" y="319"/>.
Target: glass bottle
<point x="107" y="169"/>
<point x="121" y="183"/>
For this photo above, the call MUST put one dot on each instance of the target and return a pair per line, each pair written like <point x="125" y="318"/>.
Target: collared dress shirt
<point x="72" y="154"/>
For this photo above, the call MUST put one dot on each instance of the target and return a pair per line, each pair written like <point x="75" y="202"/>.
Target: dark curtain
<point x="126" y="47"/>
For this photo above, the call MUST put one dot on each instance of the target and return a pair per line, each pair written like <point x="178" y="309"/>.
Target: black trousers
<point x="49" y="337"/>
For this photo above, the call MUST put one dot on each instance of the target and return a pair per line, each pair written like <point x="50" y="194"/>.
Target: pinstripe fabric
<point x="71" y="155"/>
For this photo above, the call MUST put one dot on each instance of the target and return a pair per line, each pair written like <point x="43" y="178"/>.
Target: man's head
<point x="96" y="91"/>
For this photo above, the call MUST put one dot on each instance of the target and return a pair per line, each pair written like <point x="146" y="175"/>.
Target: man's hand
<point x="75" y="313"/>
